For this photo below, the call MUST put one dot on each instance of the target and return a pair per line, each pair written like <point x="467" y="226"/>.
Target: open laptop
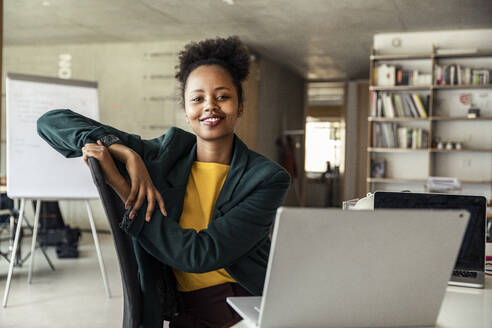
<point x="469" y="269"/>
<point x="333" y="268"/>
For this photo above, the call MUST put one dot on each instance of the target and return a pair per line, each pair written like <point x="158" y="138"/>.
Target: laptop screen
<point x="472" y="252"/>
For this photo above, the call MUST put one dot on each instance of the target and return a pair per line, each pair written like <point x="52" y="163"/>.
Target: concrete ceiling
<point x="320" y="39"/>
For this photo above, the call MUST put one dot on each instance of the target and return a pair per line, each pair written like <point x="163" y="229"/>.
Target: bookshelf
<point x="450" y="142"/>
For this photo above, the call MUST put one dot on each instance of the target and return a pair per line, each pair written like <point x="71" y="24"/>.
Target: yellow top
<point x="204" y="185"/>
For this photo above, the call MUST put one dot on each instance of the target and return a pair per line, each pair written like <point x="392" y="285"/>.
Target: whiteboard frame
<point x="50" y="80"/>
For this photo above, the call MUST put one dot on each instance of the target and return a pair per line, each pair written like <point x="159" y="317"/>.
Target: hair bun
<point x="230" y="51"/>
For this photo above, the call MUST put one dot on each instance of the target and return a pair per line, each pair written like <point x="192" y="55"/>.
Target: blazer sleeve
<point x="67" y="132"/>
<point x="226" y="239"/>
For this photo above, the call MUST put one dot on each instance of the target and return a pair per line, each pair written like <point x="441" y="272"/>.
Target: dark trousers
<point x="207" y="307"/>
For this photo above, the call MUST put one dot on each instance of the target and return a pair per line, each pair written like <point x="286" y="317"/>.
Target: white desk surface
<point x="462" y="308"/>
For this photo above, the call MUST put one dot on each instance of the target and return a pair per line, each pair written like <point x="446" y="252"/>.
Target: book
<point x="402" y="137"/>
<point x="415" y="77"/>
<point x="388" y="109"/>
<point x="376" y="136"/>
<point x="452" y="73"/>
<point x="373" y="98"/>
<point x="375" y="76"/>
<point x="399" y="76"/>
<point x="385" y="136"/>
<point x="419" y="105"/>
<point x="467" y="79"/>
<point x="388" y="135"/>
<point x="379" y="107"/>
<point x="406" y="109"/>
<point x="411" y="105"/>
<point x="414" y="138"/>
<point x="398" y="105"/>
<point x="459" y="73"/>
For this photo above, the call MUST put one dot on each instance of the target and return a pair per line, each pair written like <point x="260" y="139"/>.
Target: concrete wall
<point x="280" y="108"/>
<point x="137" y="91"/>
<point x="280" y="105"/>
<point x="138" y="94"/>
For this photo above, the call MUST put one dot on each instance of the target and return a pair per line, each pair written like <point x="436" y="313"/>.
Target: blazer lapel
<point x="178" y="176"/>
<point x="238" y="165"/>
<point x="177" y="179"/>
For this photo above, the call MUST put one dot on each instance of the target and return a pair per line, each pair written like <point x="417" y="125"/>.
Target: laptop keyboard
<point x="464" y="274"/>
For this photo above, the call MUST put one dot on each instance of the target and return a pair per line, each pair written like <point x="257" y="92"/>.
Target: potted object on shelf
<point x="378" y="168"/>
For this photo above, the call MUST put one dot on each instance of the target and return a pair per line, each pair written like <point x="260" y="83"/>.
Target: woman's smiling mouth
<point x="211" y="120"/>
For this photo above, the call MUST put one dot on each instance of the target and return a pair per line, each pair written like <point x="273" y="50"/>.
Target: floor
<point x="71" y="296"/>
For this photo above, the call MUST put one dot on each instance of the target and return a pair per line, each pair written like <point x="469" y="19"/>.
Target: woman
<point x="216" y="199"/>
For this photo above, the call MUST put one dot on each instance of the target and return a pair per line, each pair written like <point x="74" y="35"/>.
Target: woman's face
<point x="211" y="102"/>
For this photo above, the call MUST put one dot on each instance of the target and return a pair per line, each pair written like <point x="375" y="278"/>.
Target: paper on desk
<point x="443" y="184"/>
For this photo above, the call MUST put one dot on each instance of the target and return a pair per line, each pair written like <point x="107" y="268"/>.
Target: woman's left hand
<point x="108" y="166"/>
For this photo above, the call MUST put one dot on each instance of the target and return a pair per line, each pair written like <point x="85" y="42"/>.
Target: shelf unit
<point x="443" y="119"/>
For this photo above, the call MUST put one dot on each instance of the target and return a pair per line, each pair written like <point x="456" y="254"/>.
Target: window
<point x="323" y="145"/>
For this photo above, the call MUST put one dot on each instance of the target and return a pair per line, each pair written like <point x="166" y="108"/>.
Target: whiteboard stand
<point x="34" y="237"/>
<point x="98" y="250"/>
<point x="33" y="248"/>
<point x="14" y="251"/>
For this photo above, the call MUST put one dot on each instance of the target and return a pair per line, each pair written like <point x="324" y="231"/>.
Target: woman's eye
<point x="196" y="99"/>
<point x="223" y="97"/>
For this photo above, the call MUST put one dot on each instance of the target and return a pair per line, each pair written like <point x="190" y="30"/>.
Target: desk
<point x="462" y="308"/>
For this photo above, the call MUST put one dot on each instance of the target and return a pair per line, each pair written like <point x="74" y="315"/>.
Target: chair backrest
<point x="114" y="208"/>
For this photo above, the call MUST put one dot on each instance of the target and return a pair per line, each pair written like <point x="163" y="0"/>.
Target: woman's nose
<point x="210" y="104"/>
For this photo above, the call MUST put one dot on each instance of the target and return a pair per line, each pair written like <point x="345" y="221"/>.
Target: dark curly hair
<point x="230" y="53"/>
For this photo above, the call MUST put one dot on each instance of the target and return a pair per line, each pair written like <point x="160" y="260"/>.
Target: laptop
<point x="469" y="269"/>
<point x="334" y="268"/>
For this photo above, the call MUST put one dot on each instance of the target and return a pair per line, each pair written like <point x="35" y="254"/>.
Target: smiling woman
<point x="217" y="199"/>
<point x="212" y="109"/>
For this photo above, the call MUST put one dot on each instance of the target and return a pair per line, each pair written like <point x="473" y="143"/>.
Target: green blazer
<point x="237" y="238"/>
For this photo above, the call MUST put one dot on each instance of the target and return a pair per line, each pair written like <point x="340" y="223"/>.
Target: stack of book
<point x="456" y="74"/>
<point x="398" y="105"/>
<point x="443" y="184"/>
<point x="389" y="75"/>
<point x="391" y="135"/>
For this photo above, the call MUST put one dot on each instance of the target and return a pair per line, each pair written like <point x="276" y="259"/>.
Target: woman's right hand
<point x="142" y="188"/>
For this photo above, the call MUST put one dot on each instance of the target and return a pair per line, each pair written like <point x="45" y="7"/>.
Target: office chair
<point x="114" y="208"/>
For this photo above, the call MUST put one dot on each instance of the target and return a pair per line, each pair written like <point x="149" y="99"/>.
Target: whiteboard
<point x="34" y="169"/>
